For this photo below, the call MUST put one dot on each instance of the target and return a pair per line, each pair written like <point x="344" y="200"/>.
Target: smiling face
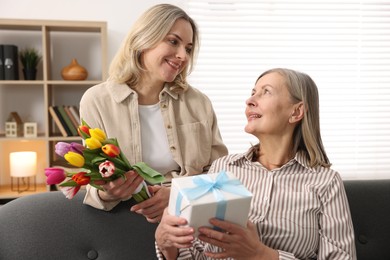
<point x="165" y="61"/>
<point x="270" y="107"/>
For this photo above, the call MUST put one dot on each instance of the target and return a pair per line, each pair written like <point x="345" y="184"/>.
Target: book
<point x="2" y="77"/>
<point x="68" y="122"/>
<point x="71" y="117"/>
<point x="75" y="113"/>
<point x="11" y="61"/>
<point x="62" y="120"/>
<point x="57" y="121"/>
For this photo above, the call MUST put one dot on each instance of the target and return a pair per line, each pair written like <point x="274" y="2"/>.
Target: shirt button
<point x="169" y="126"/>
<point x="164" y="106"/>
<point x="173" y="148"/>
<point x="265" y="198"/>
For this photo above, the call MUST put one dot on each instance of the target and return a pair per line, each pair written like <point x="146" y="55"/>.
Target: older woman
<point x="299" y="208"/>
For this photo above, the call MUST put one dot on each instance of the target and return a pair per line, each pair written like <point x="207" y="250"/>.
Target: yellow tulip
<point x="93" y="143"/>
<point x="74" y="159"/>
<point x="98" y="134"/>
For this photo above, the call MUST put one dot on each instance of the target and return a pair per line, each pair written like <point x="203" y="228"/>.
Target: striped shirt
<point x="300" y="211"/>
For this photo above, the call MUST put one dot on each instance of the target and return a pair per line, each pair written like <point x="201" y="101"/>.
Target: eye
<point x="189" y="50"/>
<point x="174" y="42"/>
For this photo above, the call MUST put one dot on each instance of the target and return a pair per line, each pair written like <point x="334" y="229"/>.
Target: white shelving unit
<point x="59" y="42"/>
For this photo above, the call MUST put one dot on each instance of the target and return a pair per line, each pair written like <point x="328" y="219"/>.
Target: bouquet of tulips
<point x="100" y="160"/>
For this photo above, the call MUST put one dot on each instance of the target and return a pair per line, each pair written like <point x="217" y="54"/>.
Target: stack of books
<point x="66" y="118"/>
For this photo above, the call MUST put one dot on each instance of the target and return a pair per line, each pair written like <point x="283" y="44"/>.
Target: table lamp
<point x="23" y="166"/>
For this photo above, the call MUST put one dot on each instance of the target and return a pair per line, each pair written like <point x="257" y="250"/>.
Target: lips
<point x="174" y="65"/>
<point x="253" y="116"/>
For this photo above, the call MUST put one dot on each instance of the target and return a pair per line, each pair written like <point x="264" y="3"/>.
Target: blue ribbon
<point x="204" y="184"/>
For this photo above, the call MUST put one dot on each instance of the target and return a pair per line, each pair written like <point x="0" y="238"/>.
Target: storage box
<point x="202" y="197"/>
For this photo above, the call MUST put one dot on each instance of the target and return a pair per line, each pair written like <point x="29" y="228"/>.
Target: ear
<point x="298" y="113"/>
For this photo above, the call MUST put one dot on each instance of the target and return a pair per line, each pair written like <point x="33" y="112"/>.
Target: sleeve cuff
<point x="92" y="198"/>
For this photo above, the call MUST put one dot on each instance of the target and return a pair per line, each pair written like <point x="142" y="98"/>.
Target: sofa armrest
<point x="369" y="202"/>
<point x="49" y="226"/>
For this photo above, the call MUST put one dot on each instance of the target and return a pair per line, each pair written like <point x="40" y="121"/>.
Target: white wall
<point x="119" y="14"/>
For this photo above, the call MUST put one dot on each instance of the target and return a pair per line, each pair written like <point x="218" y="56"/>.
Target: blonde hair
<point x="307" y="135"/>
<point x="150" y="29"/>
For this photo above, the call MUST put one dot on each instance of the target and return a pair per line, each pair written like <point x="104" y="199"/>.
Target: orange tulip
<point x="111" y="150"/>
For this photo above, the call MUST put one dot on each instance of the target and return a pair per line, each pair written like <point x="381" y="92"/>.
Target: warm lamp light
<point x="23" y="165"/>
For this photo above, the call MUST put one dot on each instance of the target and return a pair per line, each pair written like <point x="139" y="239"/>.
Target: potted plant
<point x="30" y="58"/>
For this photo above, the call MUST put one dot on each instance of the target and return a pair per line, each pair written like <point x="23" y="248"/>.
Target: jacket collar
<point x="121" y="92"/>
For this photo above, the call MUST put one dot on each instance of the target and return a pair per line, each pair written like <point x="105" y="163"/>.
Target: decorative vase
<point x="74" y="71"/>
<point x="29" y="74"/>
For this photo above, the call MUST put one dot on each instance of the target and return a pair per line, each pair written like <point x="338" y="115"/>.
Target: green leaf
<point x="70" y="183"/>
<point x="150" y="175"/>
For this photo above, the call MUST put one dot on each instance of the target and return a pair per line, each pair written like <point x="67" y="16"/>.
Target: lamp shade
<point x="23" y="164"/>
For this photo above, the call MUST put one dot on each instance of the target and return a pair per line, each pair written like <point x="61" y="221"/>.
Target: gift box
<point x="216" y="195"/>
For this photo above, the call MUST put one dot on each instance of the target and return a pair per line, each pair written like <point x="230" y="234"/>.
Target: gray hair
<point x="307" y="135"/>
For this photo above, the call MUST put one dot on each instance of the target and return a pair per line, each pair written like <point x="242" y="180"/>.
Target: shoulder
<point x="192" y="92"/>
<point x="96" y="90"/>
<point x="196" y="100"/>
<point x="107" y="91"/>
<point x="229" y="162"/>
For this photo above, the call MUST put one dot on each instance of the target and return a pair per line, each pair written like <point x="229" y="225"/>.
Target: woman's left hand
<point x="236" y="242"/>
<point x="153" y="208"/>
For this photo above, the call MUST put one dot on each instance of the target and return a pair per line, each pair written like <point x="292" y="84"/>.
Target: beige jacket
<point x="190" y="121"/>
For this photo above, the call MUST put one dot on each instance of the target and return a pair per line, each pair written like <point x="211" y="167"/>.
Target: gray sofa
<point x="48" y="226"/>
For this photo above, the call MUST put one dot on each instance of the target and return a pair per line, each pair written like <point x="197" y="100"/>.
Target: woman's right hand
<point x="171" y="234"/>
<point x="121" y="188"/>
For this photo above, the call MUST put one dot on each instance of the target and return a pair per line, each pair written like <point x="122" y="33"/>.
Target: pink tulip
<point x="54" y="175"/>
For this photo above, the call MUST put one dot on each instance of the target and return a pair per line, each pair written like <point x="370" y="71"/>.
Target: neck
<point x="148" y="92"/>
<point x="274" y="155"/>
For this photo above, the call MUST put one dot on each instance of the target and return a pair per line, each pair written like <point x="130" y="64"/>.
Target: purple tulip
<point x="54" y="175"/>
<point x="62" y="148"/>
<point x="77" y="148"/>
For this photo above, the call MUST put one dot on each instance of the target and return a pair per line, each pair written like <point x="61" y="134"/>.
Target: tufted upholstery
<point x="48" y="226"/>
<point x="369" y="201"/>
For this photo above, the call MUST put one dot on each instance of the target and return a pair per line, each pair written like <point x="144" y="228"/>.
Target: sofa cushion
<point x="49" y="226"/>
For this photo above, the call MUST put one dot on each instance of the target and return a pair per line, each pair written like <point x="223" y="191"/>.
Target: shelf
<point x="51" y="82"/>
<point x="58" y="42"/>
<point x="21" y="82"/>
<point x="7" y="193"/>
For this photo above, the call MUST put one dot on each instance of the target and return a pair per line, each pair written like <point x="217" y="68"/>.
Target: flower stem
<point x="142" y="194"/>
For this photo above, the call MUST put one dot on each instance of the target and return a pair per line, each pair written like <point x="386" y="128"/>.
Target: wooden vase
<point x="74" y="71"/>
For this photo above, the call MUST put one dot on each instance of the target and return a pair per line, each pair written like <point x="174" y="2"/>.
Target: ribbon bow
<point x="204" y="184"/>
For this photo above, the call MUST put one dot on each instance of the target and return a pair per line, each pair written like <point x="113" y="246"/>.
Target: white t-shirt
<point x="155" y="148"/>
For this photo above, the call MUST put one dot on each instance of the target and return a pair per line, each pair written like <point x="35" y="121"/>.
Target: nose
<point x="181" y="53"/>
<point x="250" y="102"/>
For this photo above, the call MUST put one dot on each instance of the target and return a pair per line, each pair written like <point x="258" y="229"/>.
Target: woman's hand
<point x="153" y="208"/>
<point x="121" y="188"/>
<point x="171" y="235"/>
<point x="236" y="241"/>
